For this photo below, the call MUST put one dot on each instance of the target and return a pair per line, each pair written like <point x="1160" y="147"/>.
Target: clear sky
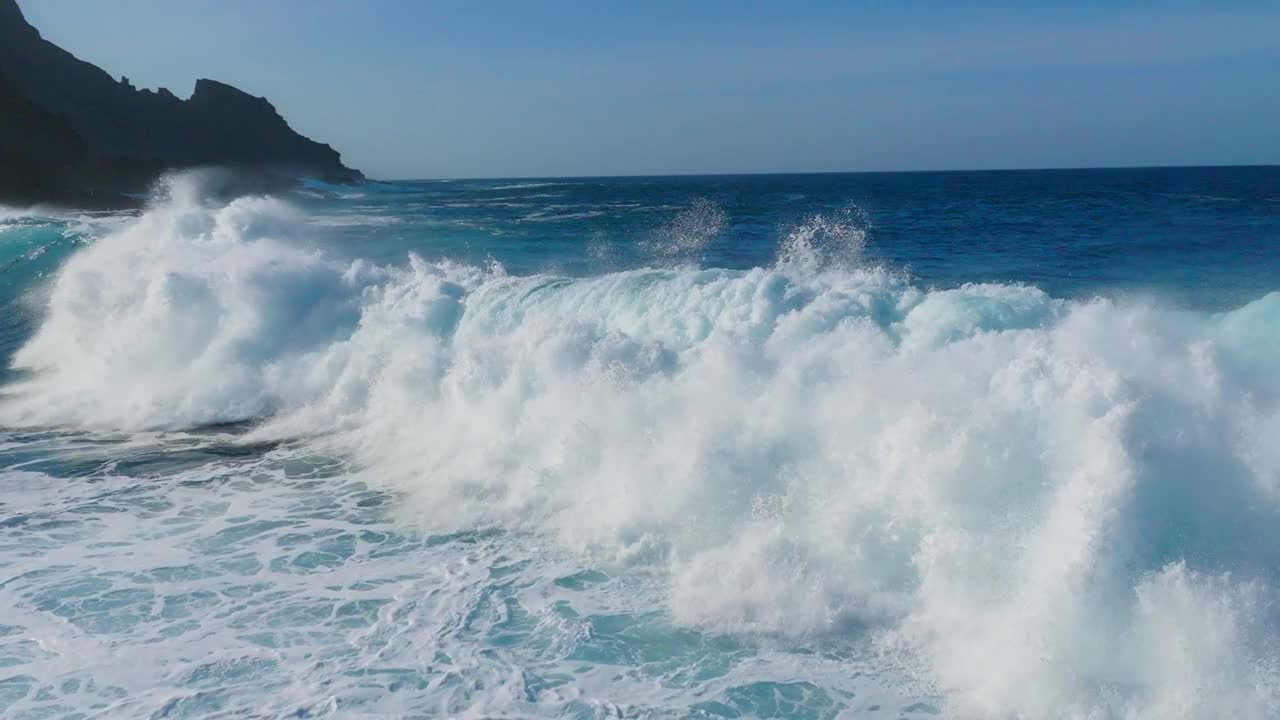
<point x="478" y="88"/>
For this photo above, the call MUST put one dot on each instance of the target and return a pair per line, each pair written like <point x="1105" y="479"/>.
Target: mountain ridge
<point x="70" y="133"/>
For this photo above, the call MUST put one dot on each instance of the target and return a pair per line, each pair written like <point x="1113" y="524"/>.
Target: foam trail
<point x="1042" y="508"/>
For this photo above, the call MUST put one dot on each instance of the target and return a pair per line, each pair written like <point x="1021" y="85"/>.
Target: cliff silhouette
<point x="72" y="134"/>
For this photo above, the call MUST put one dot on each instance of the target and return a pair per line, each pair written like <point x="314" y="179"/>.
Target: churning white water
<point x="1012" y="505"/>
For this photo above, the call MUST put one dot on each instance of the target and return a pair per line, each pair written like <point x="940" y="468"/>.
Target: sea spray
<point x="1040" y="508"/>
<point x="682" y="237"/>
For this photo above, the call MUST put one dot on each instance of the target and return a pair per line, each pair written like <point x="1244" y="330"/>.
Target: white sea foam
<point x="527" y="185"/>
<point x="1041" y="508"/>
<point x="559" y="216"/>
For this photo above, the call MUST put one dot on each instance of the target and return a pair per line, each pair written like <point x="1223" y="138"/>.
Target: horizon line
<point x="775" y="173"/>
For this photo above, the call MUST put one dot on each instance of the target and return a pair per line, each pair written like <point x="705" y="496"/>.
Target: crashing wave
<point x="1043" y="508"/>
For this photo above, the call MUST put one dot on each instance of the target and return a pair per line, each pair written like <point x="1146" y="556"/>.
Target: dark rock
<point x="41" y="156"/>
<point x="72" y="134"/>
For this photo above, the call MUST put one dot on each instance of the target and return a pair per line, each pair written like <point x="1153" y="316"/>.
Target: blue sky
<point x="413" y="88"/>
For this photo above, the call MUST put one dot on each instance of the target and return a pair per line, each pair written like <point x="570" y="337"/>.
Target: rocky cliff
<point x="71" y="133"/>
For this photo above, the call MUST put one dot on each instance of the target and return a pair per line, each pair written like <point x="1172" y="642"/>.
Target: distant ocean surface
<point x="905" y="445"/>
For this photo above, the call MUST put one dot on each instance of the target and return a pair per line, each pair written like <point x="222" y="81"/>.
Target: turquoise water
<point x="965" y="445"/>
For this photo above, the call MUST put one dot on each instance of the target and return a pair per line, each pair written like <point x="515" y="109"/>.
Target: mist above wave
<point x="1044" y="508"/>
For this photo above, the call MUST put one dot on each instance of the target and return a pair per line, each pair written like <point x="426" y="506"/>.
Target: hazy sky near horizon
<point x="412" y="88"/>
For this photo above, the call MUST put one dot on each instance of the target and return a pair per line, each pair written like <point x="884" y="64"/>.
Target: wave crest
<point x="1043" y="508"/>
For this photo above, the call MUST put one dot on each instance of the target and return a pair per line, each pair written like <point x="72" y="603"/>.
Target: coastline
<point x="71" y="135"/>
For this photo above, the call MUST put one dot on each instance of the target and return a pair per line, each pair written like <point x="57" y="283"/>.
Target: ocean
<point x="899" y="445"/>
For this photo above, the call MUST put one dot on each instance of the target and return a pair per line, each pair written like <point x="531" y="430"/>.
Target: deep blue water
<point x="902" y="445"/>
<point x="1208" y="236"/>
